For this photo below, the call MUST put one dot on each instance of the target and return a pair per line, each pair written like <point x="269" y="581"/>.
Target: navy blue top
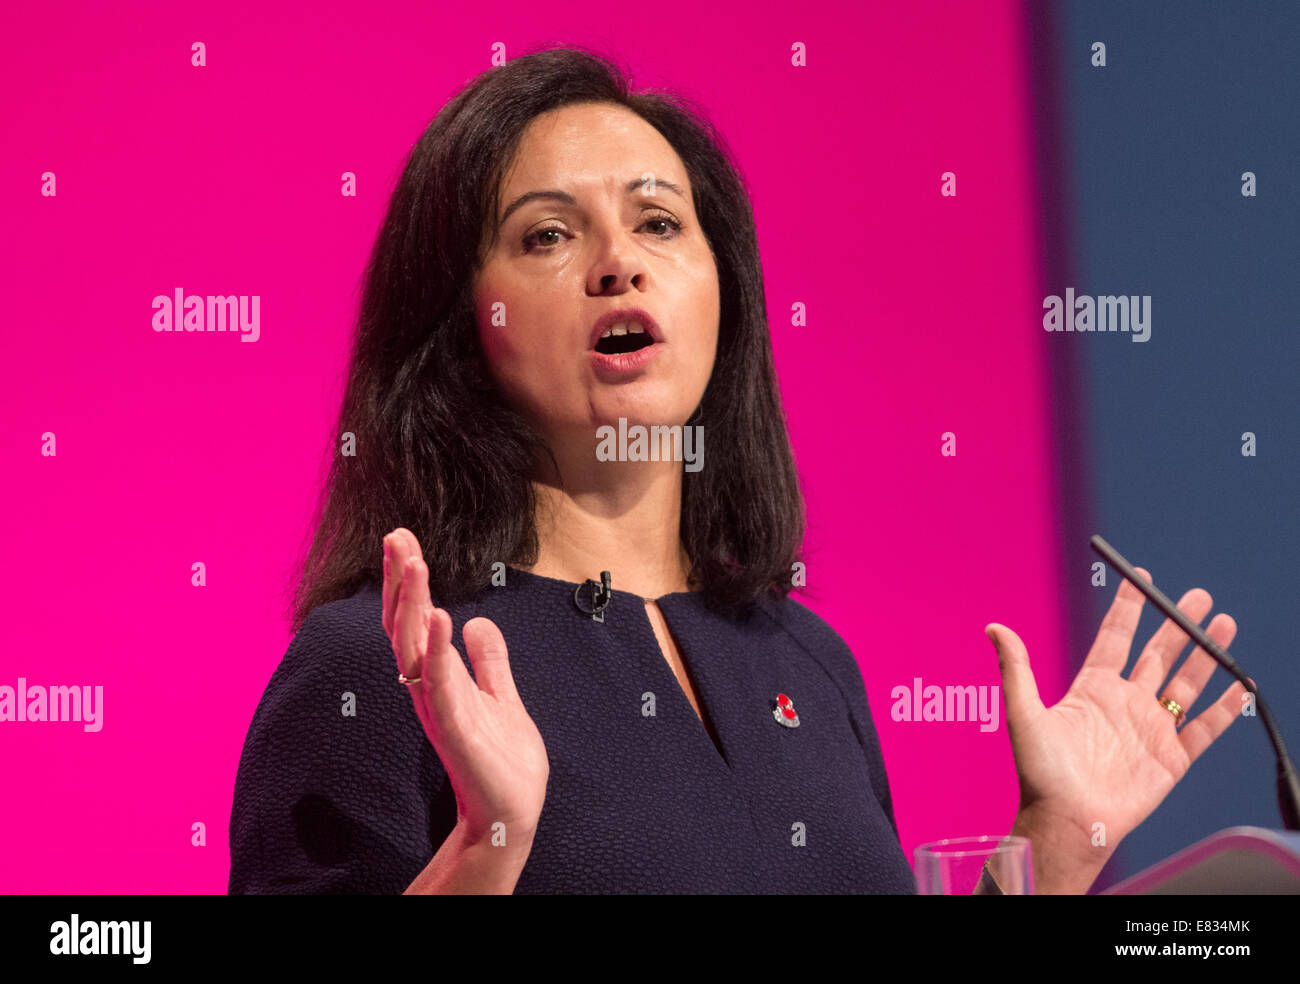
<point x="329" y="801"/>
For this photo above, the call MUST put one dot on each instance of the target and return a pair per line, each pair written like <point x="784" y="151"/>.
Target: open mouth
<point x="619" y="344"/>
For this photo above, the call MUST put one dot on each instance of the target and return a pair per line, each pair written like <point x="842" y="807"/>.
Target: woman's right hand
<point x="492" y="751"/>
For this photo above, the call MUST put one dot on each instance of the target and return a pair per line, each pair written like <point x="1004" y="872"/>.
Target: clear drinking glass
<point x="959" y="865"/>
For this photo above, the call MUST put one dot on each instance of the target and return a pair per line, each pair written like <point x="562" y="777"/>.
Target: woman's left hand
<point x="1100" y="761"/>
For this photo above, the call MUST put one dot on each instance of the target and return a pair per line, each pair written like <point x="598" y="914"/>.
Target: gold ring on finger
<point x="1174" y="708"/>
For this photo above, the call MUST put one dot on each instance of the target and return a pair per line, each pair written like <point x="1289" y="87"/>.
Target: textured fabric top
<point x="332" y="798"/>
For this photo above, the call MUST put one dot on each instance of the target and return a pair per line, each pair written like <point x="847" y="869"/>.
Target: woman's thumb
<point x="1018" y="686"/>
<point x="486" y="648"/>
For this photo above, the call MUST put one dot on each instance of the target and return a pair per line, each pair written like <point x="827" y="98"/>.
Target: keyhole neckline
<point x="616" y="592"/>
<point x="646" y="625"/>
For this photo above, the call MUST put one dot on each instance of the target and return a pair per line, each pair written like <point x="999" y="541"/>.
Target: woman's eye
<point x="672" y="224"/>
<point x="531" y="240"/>
<point x="535" y="241"/>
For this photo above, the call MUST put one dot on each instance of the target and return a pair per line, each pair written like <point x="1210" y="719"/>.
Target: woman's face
<point x="586" y="248"/>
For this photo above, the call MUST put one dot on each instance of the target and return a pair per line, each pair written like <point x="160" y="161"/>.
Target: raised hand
<point x="1108" y="752"/>
<point x="492" y="751"/>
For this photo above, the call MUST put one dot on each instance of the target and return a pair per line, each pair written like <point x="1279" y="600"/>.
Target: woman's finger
<point x="394" y="566"/>
<point x="1197" y="669"/>
<point x="1115" y="636"/>
<point x="410" y="626"/>
<point x="444" y="681"/>
<point x="1162" y="652"/>
<point x="1200" y="734"/>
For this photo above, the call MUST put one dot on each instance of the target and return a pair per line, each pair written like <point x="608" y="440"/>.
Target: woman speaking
<point x="529" y="658"/>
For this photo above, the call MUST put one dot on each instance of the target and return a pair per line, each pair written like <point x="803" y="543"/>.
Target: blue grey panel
<point x="1152" y="151"/>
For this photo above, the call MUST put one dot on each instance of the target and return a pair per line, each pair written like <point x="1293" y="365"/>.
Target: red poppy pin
<point x="784" y="712"/>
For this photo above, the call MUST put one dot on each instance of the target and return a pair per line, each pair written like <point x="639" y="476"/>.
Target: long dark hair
<point x="435" y="448"/>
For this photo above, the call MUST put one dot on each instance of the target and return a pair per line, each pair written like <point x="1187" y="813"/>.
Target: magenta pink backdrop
<point x="179" y="448"/>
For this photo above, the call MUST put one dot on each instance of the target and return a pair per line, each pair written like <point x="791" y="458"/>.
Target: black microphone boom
<point x="1288" y="784"/>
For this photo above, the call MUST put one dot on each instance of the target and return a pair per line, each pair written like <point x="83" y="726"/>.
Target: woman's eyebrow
<point x="567" y="199"/>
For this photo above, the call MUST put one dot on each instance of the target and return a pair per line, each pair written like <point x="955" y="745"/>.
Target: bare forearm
<point x="468" y="866"/>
